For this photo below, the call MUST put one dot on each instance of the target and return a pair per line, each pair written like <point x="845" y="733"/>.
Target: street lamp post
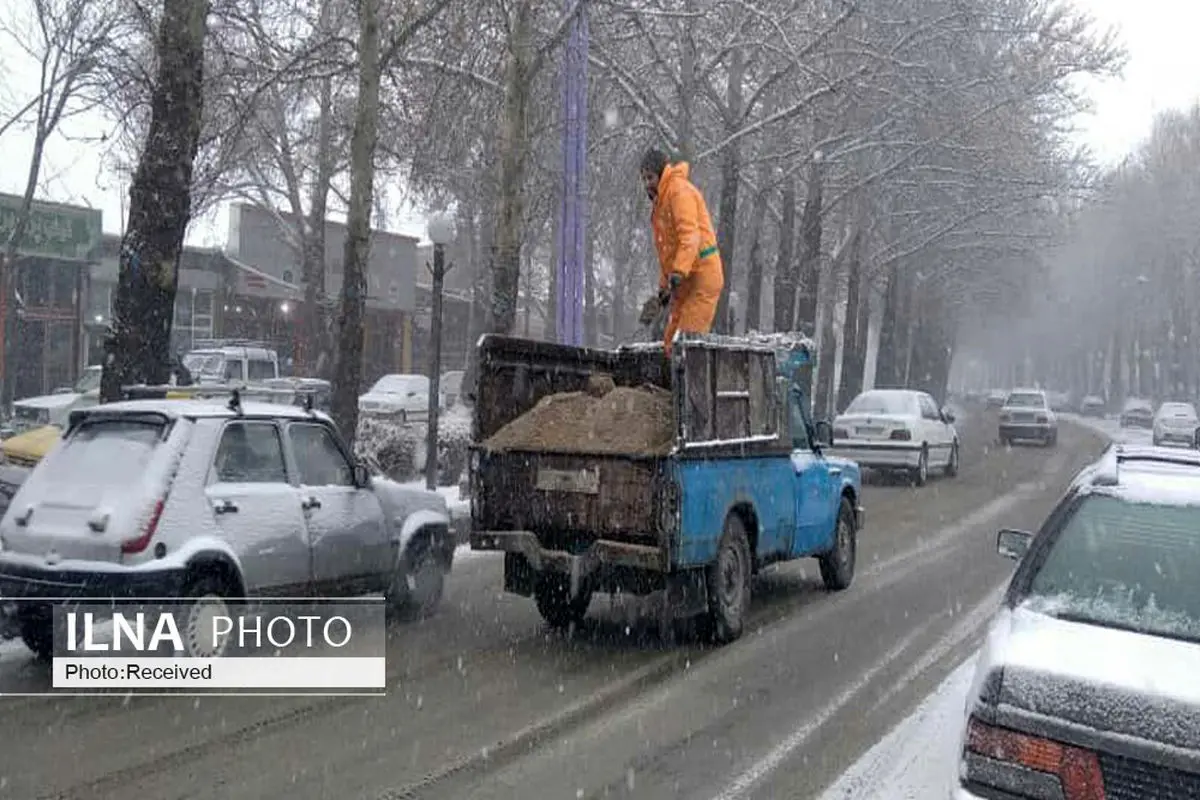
<point x="441" y="233"/>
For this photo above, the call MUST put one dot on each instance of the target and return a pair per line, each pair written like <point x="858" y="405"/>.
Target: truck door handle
<point x="225" y="507"/>
<point x="309" y="503"/>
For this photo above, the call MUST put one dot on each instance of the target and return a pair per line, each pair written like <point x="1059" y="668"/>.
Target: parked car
<point x="1093" y="406"/>
<point x="198" y="499"/>
<point x="1175" y="423"/>
<point x="1086" y="684"/>
<point x="1137" y="413"/>
<point x="996" y="398"/>
<point x="53" y="409"/>
<point x="898" y="430"/>
<point x="1026" y="415"/>
<point x="401" y="397"/>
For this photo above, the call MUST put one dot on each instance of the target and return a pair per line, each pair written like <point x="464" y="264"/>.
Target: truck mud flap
<point x="579" y="567"/>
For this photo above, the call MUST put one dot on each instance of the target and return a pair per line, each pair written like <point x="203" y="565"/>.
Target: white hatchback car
<point x="1176" y="423"/>
<point x="193" y="499"/>
<point x="898" y="430"/>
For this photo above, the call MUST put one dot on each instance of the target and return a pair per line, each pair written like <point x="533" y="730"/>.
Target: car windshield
<point x="881" y="403"/>
<point x="204" y="363"/>
<point x="1122" y="564"/>
<point x="88" y="381"/>
<point x="1026" y="400"/>
<point x="401" y="384"/>
<point x="1177" y="411"/>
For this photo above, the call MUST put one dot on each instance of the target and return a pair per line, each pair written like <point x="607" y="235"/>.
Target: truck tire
<point x="837" y="566"/>
<point x="552" y="593"/>
<point x="728" y="583"/>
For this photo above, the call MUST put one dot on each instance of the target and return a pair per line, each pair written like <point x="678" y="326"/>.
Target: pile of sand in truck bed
<point x="604" y="419"/>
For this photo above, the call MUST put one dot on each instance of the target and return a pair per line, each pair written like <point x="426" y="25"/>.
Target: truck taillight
<point x="902" y="435"/>
<point x="1077" y="769"/>
<point x="131" y="546"/>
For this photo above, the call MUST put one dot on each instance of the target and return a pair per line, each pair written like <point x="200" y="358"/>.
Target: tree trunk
<point x="730" y="180"/>
<point x="591" y="334"/>
<point x="826" y="358"/>
<point x="514" y="144"/>
<point x="754" y="276"/>
<point x="315" y="324"/>
<point x="785" y="269"/>
<point x="854" y="332"/>
<point x="160" y="206"/>
<point x="810" y="252"/>
<point x="889" y="363"/>
<point x="622" y="256"/>
<point x="685" y="125"/>
<point x="363" y="140"/>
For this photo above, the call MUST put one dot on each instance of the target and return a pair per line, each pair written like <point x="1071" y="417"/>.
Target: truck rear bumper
<point x="578" y="566"/>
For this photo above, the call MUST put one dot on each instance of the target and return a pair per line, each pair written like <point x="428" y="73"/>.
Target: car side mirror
<point x="362" y="475"/>
<point x="1013" y="544"/>
<point x="823" y="433"/>
<point x="947" y="416"/>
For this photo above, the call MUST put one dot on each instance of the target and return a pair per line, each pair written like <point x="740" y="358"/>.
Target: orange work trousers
<point x="694" y="305"/>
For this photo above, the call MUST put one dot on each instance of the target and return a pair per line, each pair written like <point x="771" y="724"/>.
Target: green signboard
<point x="54" y="230"/>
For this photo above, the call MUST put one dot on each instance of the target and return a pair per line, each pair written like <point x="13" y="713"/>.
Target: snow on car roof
<point x="193" y="409"/>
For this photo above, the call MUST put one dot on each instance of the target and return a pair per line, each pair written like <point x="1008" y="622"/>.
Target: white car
<point x="1026" y="415"/>
<point x="402" y="397"/>
<point x="1176" y="423"/>
<point x="54" y="409"/>
<point x="1086" y="683"/>
<point x="898" y="429"/>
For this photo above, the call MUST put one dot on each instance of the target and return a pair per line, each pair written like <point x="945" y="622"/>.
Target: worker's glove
<point x="664" y="295"/>
<point x="650" y="310"/>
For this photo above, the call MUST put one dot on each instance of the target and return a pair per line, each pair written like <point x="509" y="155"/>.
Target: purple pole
<point x="572" y="238"/>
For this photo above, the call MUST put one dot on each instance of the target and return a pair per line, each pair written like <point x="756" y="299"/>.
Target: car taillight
<point x="1042" y="418"/>
<point x="139" y="544"/>
<point x="902" y="435"/>
<point x="1077" y="769"/>
<point x="1004" y="416"/>
<point x="841" y="433"/>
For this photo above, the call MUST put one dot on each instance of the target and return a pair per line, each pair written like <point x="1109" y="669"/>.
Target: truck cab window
<point x="798" y="420"/>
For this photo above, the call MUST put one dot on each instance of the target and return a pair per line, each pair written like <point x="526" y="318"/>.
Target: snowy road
<point x="918" y="759"/>
<point x="484" y="703"/>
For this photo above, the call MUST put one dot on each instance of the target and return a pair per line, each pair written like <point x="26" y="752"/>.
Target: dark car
<point x="1092" y="406"/>
<point x="1137" y="413"/>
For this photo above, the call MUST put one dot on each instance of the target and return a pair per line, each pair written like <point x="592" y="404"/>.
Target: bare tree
<point x="68" y="40"/>
<point x="160" y="205"/>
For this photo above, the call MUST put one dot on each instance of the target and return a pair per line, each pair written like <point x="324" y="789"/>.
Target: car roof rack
<point x="216" y="344"/>
<point x="1108" y="469"/>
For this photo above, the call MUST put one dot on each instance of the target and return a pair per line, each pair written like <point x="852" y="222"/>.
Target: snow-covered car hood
<point x="49" y="401"/>
<point x="400" y="502"/>
<point x="382" y="401"/>
<point x="1105" y="679"/>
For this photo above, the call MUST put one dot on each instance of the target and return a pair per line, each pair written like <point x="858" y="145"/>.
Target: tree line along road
<point x="484" y="702"/>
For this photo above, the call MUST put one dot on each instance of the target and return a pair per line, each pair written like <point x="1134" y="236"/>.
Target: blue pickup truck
<point x="744" y="483"/>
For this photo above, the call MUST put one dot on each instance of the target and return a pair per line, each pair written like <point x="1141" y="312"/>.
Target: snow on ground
<point x="918" y="759"/>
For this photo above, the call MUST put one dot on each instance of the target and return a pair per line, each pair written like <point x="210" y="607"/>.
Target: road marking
<point x="741" y="786"/>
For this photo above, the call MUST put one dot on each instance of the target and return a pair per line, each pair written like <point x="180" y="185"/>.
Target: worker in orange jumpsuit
<point x="690" y="273"/>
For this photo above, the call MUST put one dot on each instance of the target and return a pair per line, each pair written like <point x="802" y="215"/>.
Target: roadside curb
<point x="529" y="737"/>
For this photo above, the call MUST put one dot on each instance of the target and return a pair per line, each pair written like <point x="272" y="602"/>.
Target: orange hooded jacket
<point x="687" y="246"/>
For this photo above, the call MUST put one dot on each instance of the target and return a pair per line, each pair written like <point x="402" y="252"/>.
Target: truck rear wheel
<point x="728" y="583"/>
<point x="837" y="566"/>
<point x="554" y="602"/>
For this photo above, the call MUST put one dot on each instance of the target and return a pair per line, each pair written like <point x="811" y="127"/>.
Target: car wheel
<point x="952" y="464"/>
<point x="920" y="475"/>
<point x="728" y="583"/>
<point x="837" y="566"/>
<point x="418" y="581"/>
<point x="207" y="595"/>
<point x="556" y="605"/>
<point x="36" y="626"/>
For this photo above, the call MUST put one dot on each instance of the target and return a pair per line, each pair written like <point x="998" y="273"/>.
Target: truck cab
<point x="745" y="483"/>
<point x="221" y="361"/>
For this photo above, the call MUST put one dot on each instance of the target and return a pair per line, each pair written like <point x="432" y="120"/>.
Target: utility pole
<point x="572" y="237"/>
